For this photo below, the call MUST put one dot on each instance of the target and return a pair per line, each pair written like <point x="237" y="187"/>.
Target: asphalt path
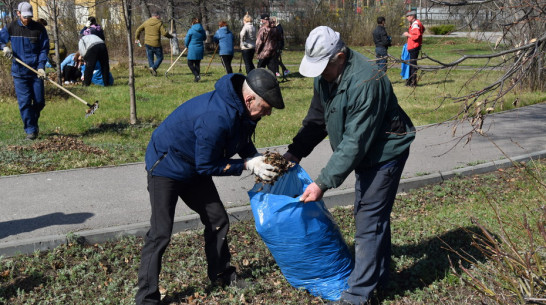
<point x="39" y="210"/>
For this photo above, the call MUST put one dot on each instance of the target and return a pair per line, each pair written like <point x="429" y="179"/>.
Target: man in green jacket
<point x="354" y="104"/>
<point x="153" y="30"/>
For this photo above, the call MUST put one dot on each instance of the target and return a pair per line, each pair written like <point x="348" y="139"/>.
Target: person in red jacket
<point x="415" y="40"/>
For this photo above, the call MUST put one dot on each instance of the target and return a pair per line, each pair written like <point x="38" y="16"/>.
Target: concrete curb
<point x="190" y="222"/>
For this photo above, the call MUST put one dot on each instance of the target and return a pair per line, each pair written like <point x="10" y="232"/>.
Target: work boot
<point x="32" y="136"/>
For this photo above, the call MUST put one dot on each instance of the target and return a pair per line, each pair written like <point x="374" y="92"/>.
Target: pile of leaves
<point x="277" y="160"/>
<point x="59" y="143"/>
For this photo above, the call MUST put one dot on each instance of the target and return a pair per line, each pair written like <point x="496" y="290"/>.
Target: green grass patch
<point x="120" y="142"/>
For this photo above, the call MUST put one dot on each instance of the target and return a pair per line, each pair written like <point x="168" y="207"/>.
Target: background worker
<point x="266" y="44"/>
<point x="382" y="43"/>
<point x="153" y="30"/>
<point x="93" y="49"/>
<point x="415" y="41"/>
<point x="248" y="43"/>
<point x="280" y="47"/>
<point x="369" y="134"/>
<point x="194" y="41"/>
<point x="224" y="38"/>
<point x="92" y="27"/>
<point x="30" y="44"/>
<point x="196" y="142"/>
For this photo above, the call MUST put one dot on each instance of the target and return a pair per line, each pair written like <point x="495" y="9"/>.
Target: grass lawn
<point x="428" y="225"/>
<point x="69" y="140"/>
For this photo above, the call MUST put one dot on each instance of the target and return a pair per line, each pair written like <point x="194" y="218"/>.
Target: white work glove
<point x="41" y="74"/>
<point x="261" y="169"/>
<point x="7" y="52"/>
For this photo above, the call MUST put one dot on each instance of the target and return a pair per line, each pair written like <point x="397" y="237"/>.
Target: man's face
<point x="24" y="20"/>
<point x="410" y="18"/>
<point x="333" y="69"/>
<point x="258" y="109"/>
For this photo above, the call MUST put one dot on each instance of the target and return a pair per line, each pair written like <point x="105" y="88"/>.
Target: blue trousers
<point x="31" y="100"/>
<point x="375" y="191"/>
<point x="158" y="52"/>
<point x="381" y="52"/>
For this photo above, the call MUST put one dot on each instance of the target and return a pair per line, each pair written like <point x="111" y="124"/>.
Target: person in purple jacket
<point x="196" y="142"/>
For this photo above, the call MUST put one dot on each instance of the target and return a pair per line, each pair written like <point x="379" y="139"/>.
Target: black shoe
<point x="230" y="278"/>
<point x="197" y="78"/>
<point x="32" y="136"/>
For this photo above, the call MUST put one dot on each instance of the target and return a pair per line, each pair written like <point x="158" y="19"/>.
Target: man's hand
<point x="290" y="157"/>
<point x="7" y="52"/>
<point x="41" y="74"/>
<point x="261" y="169"/>
<point x="406" y="34"/>
<point x="312" y="193"/>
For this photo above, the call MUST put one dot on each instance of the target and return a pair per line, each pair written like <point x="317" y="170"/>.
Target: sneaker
<point x="66" y="82"/>
<point x="286" y="72"/>
<point x="197" y="78"/>
<point x="32" y="136"/>
<point x="277" y="74"/>
<point x="153" y="71"/>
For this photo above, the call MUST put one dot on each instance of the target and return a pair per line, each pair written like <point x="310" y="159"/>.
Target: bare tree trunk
<point x="56" y="39"/>
<point x="175" y="49"/>
<point x="127" y="7"/>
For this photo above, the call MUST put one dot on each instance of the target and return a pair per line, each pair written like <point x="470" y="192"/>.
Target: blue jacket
<point x="97" y="78"/>
<point x="29" y="43"/>
<point x="224" y="38"/>
<point x="202" y="135"/>
<point x="68" y="61"/>
<point x="194" y="42"/>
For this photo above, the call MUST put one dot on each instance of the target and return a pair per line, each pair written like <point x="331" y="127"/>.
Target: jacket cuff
<point x="321" y="185"/>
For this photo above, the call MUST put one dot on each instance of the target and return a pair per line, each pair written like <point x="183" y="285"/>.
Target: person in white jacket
<point x="93" y="49"/>
<point x="248" y="43"/>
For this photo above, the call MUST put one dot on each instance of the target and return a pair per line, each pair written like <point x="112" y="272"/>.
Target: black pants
<point x="279" y="62"/>
<point x="226" y="61"/>
<point x="195" y="67"/>
<point x="268" y="62"/>
<point x="71" y="74"/>
<point x="96" y="53"/>
<point x="202" y="197"/>
<point x="248" y="56"/>
<point x="412" y="80"/>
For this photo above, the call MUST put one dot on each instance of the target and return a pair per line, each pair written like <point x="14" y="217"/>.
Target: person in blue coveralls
<point x="224" y="38"/>
<point x="197" y="141"/>
<point x="30" y="44"/>
<point x="97" y="77"/>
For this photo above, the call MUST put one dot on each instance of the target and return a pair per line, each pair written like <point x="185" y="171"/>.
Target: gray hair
<point x="343" y="50"/>
<point x="247" y="89"/>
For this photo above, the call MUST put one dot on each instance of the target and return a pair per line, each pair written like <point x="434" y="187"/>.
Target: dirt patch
<point x="59" y="143"/>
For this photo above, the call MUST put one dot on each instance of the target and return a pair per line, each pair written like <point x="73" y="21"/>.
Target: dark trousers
<point x="201" y="196"/>
<point x="268" y="62"/>
<point x="375" y="191"/>
<point x="71" y="74"/>
<point x="96" y="53"/>
<point x="381" y="55"/>
<point x="150" y="52"/>
<point x="279" y="62"/>
<point x="31" y="99"/>
<point x="412" y="80"/>
<point x="195" y="67"/>
<point x="248" y="57"/>
<point x="226" y="62"/>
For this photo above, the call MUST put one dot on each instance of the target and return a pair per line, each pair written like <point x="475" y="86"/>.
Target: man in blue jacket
<point x="369" y="134"/>
<point x="195" y="142"/>
<point x="30" y="44"/>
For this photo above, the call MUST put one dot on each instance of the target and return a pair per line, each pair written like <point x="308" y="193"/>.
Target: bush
<point x="6" y="82"/>
<point x="442" y="29"/>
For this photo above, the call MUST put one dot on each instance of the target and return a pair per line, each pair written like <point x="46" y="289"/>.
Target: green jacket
<point x="153" y="30"/>
<point x="361" y="116"/>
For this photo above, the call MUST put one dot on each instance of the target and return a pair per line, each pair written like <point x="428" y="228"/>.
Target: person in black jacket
<point x="382" y="43"/>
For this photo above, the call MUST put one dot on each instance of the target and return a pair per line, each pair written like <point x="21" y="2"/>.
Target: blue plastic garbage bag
<point x="303" y="238"/>
<point x="405" y="67"/>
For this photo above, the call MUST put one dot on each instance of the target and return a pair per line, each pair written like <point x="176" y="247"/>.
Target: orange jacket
<point x="416" y="31"/>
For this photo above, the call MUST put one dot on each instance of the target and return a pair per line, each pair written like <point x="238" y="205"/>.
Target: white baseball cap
<point x="321" y="45"/>
<point x="26" y="9"/>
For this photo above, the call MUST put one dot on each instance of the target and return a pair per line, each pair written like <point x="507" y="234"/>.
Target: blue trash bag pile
<point x="303" y="238"/>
